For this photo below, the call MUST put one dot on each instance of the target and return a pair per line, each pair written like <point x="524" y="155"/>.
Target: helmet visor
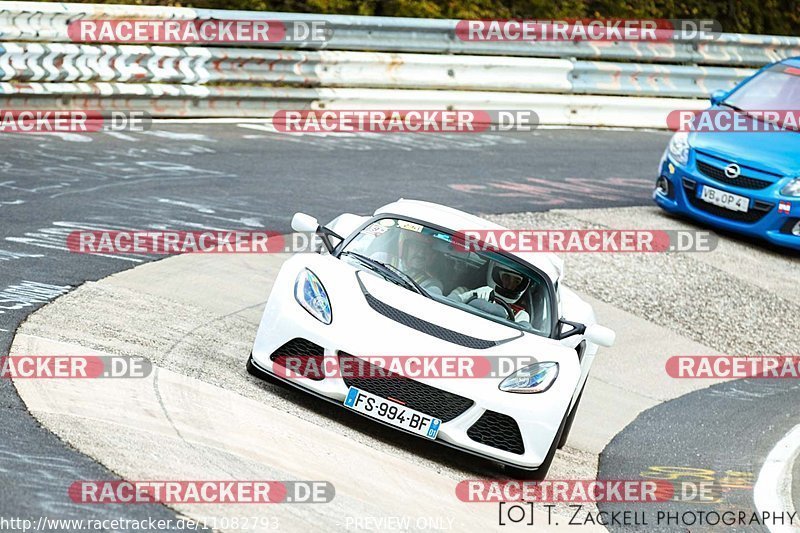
<point x="510" y="281"/>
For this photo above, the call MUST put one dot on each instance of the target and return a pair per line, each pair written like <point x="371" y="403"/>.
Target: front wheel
<point x="570" y="419"/>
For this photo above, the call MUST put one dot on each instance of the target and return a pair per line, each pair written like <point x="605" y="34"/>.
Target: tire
<point x="540" y="473"/>
<point x="570" y="419"/>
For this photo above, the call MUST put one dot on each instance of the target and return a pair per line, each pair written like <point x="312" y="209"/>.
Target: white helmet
<point x="509" y="285"/>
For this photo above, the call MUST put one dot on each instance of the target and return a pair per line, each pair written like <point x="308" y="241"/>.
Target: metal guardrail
<point x="421" y="60"/>
<point x="34" y="62"/>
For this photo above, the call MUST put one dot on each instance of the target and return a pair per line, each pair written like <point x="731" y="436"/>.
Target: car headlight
<point x="792" y="188"/>
<point x="679" y="147"/>
<point x="311" y="295"/>
<point x="534" y="378"/>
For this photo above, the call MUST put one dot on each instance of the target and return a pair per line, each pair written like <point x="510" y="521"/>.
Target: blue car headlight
<point x="311" y="295"/>
<point x="534" y="378"/>
<point x="679" y="147"/>
<point x="792" y="188"/>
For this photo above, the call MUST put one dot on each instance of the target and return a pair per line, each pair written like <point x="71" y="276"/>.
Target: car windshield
<point x="483" y="283"/>
<point x="777" y="88"/>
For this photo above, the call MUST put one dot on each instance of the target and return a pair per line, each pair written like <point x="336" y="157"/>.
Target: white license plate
<point x="734" y="202"/>
<point x="392" y="413"/>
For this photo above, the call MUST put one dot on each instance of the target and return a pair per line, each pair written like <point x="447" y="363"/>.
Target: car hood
<point x="774" y="152"/>
<point x="450" y="330"/>
<point x="363" y="301"/>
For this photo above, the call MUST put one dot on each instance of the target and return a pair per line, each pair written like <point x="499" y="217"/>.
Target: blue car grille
<point x="718" y="174"/>
<point x="756" y="212"/>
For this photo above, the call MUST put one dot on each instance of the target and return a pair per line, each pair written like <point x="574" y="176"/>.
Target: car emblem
<point x="732" y="171"/>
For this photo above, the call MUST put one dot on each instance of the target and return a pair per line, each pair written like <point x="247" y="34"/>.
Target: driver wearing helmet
<point x="415" y="259"/>
<point x="506" y="284"/>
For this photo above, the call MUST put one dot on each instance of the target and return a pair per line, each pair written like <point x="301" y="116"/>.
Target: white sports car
<point x="396" y="285"/>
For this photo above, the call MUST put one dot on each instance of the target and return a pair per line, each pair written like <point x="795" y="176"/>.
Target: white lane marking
<point x="773" y="489"/>
<point x="122" y="136"/>
<point x="179" y="136"/>
<point x="265" y="126"/>
<point x="68" y="136"/>
<point x="199" y="207"/>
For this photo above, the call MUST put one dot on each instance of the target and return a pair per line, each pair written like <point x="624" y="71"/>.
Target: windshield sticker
<point x="410" y="226"/>
<point x="375" y="229"/>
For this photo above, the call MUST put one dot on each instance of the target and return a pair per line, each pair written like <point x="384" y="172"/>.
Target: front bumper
<point x="765" y="220"/>
<point x="538" y="417"/>
<point x="297" y="384"/>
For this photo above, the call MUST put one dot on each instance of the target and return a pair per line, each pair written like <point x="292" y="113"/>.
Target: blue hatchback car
<point x="742" y="181"/>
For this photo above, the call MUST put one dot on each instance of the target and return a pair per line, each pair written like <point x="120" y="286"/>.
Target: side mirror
<point x="303" y="223"/>
<point x="600" y="335"/>
<point x="718" y="96"/>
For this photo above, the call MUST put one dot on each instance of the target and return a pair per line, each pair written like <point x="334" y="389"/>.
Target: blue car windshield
<point x="777" y="88"/>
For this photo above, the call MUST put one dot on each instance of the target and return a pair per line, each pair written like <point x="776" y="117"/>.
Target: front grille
<point x="415" y="395"/>
<point x="308" y="357"/>
<point x="755" y="213"/>
<point x="718" y="174"/>
<point x="498" y="431"/>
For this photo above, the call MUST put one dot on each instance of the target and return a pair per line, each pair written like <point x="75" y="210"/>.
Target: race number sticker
<point x="410" y="226"/>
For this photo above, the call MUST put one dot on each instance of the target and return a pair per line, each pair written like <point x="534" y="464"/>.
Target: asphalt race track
<point x="710" y="436"/>
<point x="231" y="176"/>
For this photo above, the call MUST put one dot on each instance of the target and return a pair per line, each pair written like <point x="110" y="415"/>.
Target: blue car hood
<point x="777" y="152"/>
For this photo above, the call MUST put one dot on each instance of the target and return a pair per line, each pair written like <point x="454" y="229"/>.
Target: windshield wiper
<point x="389" y="272"/>
<point x="735" y="108"/>
<point x="409" y="279"/>
<point x="742" y="111"/>
<point x="759" y="118"/>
